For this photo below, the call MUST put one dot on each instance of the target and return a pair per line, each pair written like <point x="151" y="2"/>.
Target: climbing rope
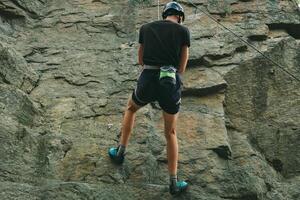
<point x="243" y="40"/>
<point x="157" y="9"/>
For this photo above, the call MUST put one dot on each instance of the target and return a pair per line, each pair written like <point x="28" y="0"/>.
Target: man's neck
<point x="172" y="18"/>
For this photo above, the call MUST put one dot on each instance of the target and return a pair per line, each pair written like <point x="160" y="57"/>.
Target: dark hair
<point x="171" y="12"/>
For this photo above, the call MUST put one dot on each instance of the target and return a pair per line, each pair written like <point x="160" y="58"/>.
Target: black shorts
<point x="149" y="90"/>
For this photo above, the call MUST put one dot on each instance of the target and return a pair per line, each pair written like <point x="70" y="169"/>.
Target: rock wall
<point x="68" y="67"/>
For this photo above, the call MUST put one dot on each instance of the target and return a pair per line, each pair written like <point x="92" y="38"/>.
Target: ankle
<point x="121" y="150"/>
<point x="173" y="179"/>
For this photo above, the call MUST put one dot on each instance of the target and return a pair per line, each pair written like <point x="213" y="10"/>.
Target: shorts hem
<point x="170" y="111"/>
<point x="136" y="100"/>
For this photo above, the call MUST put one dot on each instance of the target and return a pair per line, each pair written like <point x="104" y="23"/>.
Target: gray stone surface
<point x="68" y="67"/>
<point x="270" y="121"/>
<point x="15" y="103"/>
<point x="14" y="69"/>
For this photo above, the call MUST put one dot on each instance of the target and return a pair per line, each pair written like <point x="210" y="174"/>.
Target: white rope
<point x="243" y="40"/>
<point x="157" y="9"/>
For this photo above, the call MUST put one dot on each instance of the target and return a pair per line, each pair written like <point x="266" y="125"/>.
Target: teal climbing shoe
<point x="113" y="154"/>
<point x="180" y="187"/>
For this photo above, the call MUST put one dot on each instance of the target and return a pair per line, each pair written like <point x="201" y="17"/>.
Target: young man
<point x="163" y="53"/>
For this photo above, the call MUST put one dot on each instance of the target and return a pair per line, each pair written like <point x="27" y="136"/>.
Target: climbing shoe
<point x="180" y="187"/>
<point x="113" y="154"/>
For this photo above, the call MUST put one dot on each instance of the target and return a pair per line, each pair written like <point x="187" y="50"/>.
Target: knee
<point x="170" y="133"/>
<point x="131" y="107"/>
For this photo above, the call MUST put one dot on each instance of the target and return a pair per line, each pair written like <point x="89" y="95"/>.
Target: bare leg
<point x="172" y="145"/>
<point x="128" y="121"/>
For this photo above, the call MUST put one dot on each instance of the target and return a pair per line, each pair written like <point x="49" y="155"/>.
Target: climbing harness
<point x="243" y="40"/>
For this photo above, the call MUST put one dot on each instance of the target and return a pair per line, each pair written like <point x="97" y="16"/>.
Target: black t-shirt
<point x="162" y="41"/>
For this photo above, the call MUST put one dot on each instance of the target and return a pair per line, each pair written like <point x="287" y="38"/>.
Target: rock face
<point x="68" y="67"/>
<point x="15" y="71"/>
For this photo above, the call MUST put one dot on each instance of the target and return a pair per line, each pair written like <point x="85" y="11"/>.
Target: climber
<point x="163" y="53"/>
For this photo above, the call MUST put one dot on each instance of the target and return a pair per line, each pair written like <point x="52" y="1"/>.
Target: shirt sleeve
<point x="141" y="35"/>
<point x="186" y="38"/>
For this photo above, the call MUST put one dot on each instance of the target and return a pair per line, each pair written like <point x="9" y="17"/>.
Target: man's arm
<point x="140" y="54"/>
<point x="183" y="59"/>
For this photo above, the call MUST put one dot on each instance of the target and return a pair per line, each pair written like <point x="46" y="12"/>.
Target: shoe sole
<point x="180" y="192"/>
